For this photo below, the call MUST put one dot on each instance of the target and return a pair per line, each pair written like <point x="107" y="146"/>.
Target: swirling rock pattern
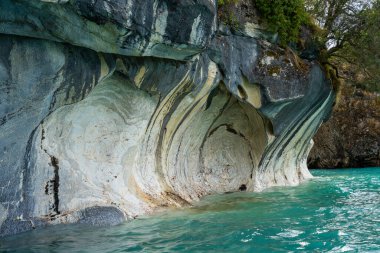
<point x="167" y="29"/>
<point x="91" y="133"/>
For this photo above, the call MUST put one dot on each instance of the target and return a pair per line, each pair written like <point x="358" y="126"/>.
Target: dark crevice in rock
<point x="47" y="188"/>
<point x="230" y="129"/>
<point x="210" y="97"/>
<point x="55" y="182"/>
<point x="242" y="188"/>
<point x="3" y="120"/>
<point x="42" y="134"/>
<point x="243" y="136"/>
<point x="242" y="92"/>
<point x="10" y="116"/>
<point x="253" y="164"/>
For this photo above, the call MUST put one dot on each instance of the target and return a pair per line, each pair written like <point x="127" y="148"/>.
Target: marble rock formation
<point x="113" y="109"/>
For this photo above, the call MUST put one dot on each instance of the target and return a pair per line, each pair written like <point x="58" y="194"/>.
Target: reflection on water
<point x="338" y="211"/>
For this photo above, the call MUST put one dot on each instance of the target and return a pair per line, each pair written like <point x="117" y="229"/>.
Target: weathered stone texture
<point x="351" y="137"/>
<point x="94" y="134"/>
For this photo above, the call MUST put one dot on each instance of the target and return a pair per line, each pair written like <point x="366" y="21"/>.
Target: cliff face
<point x="144" y="106"/>
<point x="351" y="137"/>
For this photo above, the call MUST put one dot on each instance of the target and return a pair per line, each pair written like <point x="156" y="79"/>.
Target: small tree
<point x="350" y="33"/>
<point x="284" y="17"/>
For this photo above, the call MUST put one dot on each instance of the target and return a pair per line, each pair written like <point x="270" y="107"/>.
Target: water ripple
<point x="338" y="211"/>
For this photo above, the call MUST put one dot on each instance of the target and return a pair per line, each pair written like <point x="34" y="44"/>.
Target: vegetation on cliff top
<point x="228" y="17"/>
<point x="350" y="36"/>
<point x="345" y="32"/>
<point x="283" y="17"/>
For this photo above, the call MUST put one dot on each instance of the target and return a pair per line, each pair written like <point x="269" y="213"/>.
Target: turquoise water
<point x="338" y="211"/>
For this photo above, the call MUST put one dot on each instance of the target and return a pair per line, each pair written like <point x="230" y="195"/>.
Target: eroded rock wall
<point x="351" y="137"/>
<point x="94" y="134"/>
<point x="161" y="28"/>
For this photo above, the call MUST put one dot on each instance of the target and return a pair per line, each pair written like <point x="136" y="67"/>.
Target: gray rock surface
<point x="101" y="216"/>
<point x="97" y="138"/>
<point x="161" y="28"/>
<point x="342" y="142"/>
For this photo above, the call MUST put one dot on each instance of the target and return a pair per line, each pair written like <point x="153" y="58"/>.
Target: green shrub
<point x="223" y="2"/>
<point x="284" y="17"/>
<point x="226" y="14"/>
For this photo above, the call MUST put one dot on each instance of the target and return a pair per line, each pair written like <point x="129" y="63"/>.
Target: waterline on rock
<point x="336" y="211"/>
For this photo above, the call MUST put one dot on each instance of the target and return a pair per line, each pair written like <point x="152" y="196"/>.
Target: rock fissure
<point x="52" y="186"/>
<point x="55" y="182"/>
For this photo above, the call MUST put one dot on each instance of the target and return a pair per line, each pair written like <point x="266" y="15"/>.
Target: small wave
<point x="290" y="233"/>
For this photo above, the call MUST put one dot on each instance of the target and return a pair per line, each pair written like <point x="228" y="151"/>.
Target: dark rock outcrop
<point x="89" y="132"/>
<point x="351" y="137"/>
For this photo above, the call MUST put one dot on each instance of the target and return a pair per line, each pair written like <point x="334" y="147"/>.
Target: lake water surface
<point x="338" y="211"/>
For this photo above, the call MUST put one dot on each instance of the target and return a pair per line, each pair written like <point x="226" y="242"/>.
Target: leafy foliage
<point x="226" y="15"/>
<point x="224" y="2"/>
<point x="284" y="17"/>
<point x="344" y="33"/>
<point x="351" y="36"/>
<point x="341" y="20"/>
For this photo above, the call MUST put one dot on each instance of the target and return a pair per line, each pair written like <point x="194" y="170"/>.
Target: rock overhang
<point x="165" y="29"/>
<point x="168" y="109"/>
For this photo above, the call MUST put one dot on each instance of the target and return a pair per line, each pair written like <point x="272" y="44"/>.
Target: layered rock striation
<point x="113" y="109"/>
